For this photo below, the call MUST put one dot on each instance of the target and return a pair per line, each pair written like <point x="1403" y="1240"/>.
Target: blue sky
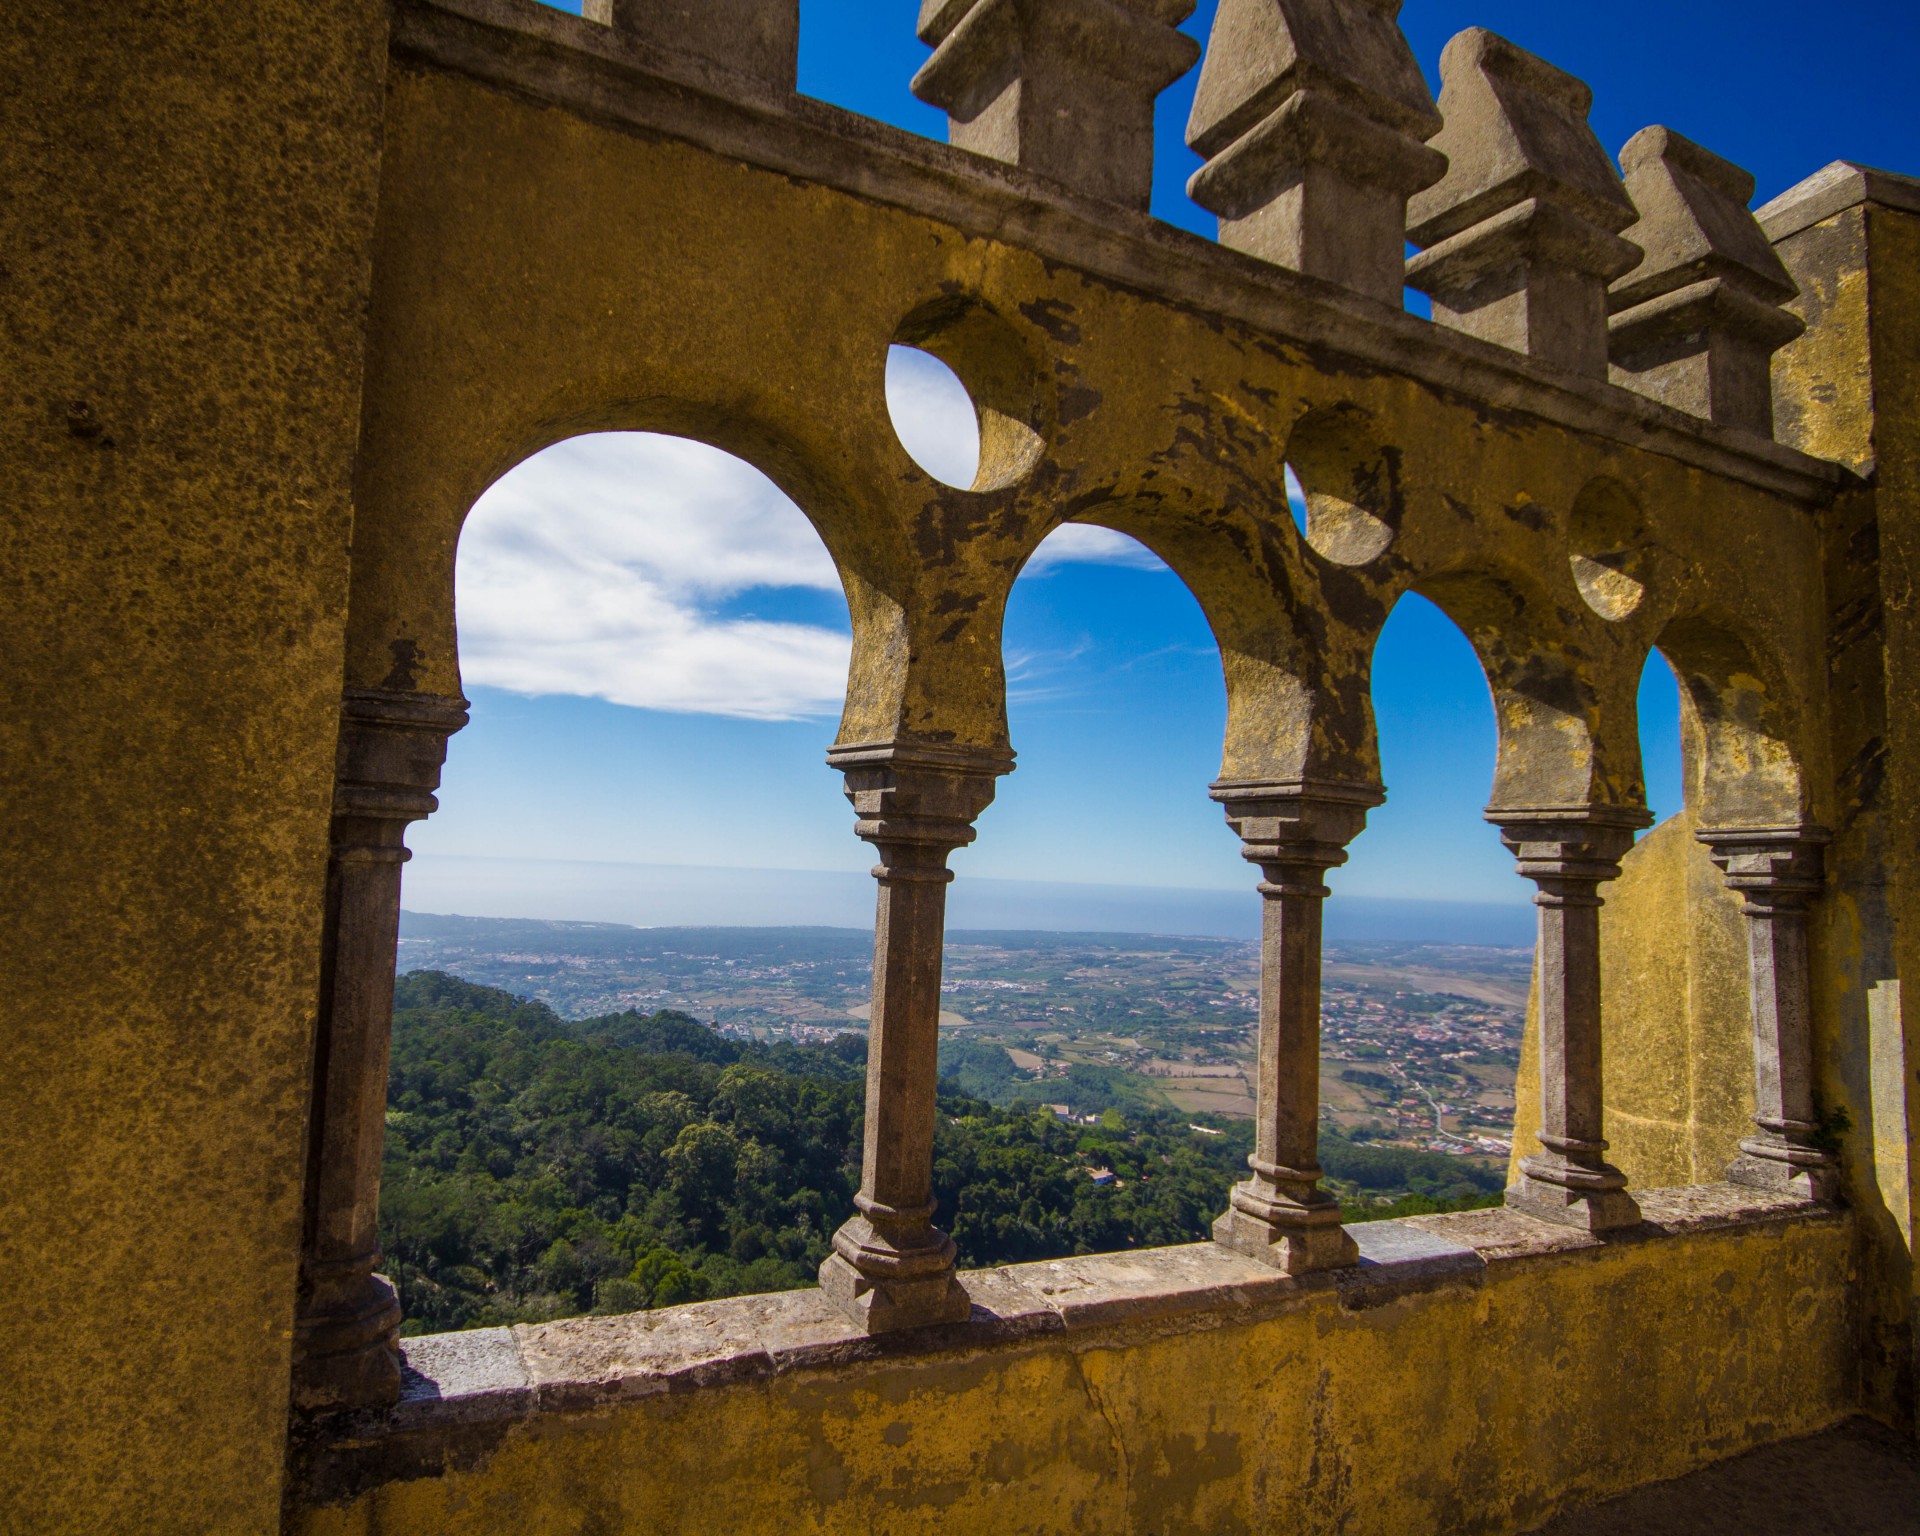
<point x="654" y="642"/>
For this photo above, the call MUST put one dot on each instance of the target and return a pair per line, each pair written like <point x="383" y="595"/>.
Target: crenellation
<point x="1314" y="117"/>
<point x="1697" y="322"/>
<point x="1064" y="88"/>
<point x="1522" y="236"/>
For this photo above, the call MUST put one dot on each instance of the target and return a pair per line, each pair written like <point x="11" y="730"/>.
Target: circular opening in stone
<point x="933" y="416"/>
<point x="1344" y="488"/>
<point x="1296" y="500"/>
<point x="965" y="397"/>
<point x="1610" y="549"/>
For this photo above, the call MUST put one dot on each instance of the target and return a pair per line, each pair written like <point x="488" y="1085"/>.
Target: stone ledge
<point x="466" y="1393"/>
<point x="498" y="1375"/>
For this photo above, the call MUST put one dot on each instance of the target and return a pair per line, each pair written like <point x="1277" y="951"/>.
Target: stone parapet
<point x="1132" y="1356"/>
<point x="1697" y="322"/>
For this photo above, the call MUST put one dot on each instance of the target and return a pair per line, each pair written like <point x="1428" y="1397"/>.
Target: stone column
<point x="1778" y="872"/>
<point x="890" y="1266"/>
<point x="392" y="745"/>
<point x="1281" y="1216"/>
<point x="1568" y="856"/>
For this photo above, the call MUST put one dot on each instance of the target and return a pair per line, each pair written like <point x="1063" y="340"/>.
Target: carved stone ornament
<point x="1313" y="116"/>
<point x="1697" y="322"/>
<point x="1064" y="88"/>
<point x="1295" y="833"/>
<point x="891" y="1267"/>
<point x="1522" y="235"/>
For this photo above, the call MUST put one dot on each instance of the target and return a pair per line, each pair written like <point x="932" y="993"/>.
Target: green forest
<point x="538" y="1167"/>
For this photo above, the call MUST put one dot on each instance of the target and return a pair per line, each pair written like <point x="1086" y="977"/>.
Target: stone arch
<point x="1548" y="707"/>
<point x="402" y="619"/>
<point x="1297" y="703"/>
<point x="1734" y="701"/>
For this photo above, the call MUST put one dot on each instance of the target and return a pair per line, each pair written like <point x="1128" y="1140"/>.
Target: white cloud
<point x="1084" y="544"/>
<point x="594" y="567"/>
<point x="933" y="416"/>
<point x="598" y="568"/>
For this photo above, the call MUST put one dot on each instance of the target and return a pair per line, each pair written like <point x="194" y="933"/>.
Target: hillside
<point x="538" y="1167"/>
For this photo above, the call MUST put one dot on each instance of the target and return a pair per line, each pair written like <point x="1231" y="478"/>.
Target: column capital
<point x="1771" y="867"/>
<point x="1562" y="847"/>
<point x="1295" y="824"/>
<point x="917" y="795"/>
<point x="392" y="747"/>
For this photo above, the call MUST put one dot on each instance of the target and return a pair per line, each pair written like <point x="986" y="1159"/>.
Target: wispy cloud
<point x="597" y="567"/>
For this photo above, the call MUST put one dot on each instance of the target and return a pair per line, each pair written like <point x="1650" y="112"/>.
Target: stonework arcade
<point x="455" y="232"/>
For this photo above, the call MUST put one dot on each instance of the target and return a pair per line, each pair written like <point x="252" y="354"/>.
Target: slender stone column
<point x="1778" y="872"/>
<point x="1295" y="834"/>
<point x="392" y="745"/>
<point x="890" y="1266"/>
<point x="1568" y="856"/>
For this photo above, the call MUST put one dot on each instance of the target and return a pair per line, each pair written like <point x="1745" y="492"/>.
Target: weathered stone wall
<point x="185" y="239"/>
<point x="1172" y="1391"/>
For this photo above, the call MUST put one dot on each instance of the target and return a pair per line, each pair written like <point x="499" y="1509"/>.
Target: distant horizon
<point x="646" y="896"/>
<point x="1090" y="936"/>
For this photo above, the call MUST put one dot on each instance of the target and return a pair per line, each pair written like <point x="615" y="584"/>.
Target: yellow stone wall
<point x="185" y="238"/>
<point x="1463" y="1409"/>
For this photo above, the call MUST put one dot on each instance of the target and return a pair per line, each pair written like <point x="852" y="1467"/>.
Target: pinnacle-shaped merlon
<point x="759" y="39"/>
<point x="1697" y="322"/>
<point x="1314" y="115"/>
<point x="1522" y="235"/>
<point x="1064" y="88"/>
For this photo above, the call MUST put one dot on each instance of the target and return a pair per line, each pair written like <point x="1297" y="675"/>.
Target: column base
<point x="1591" y="1199"/>
<point x="886" y="1279"/>
<point x="1802" y="1172"/>
<point x="887" y="1305"/>
<point x="1294" y="1239"/>
<point x="349" y="1356"/>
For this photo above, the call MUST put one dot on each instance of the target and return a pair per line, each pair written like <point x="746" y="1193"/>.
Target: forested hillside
<point x="538" y="1167"/>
